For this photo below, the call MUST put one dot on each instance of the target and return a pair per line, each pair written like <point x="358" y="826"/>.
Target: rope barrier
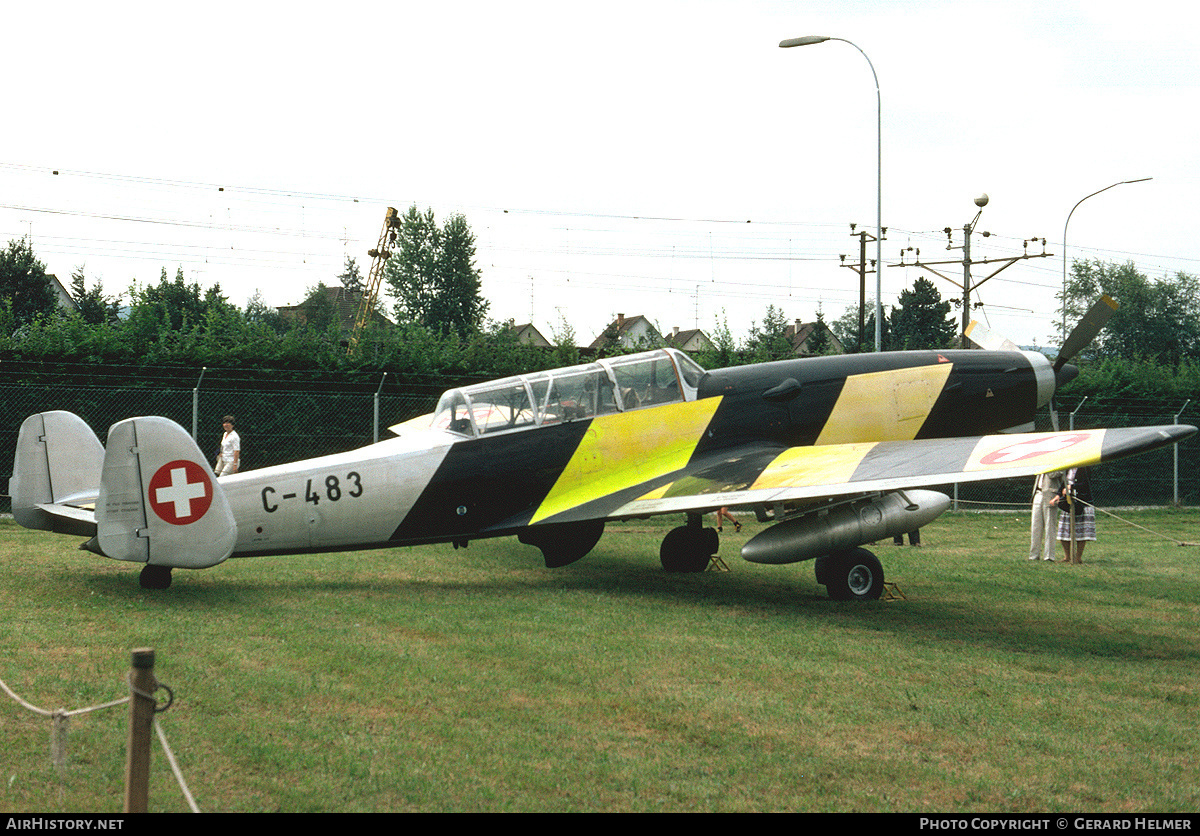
<point x="1097" y="508"/>
<point x="1136" y="525"/>
<point x="60" y="721"/>
<point x="187" y="794"/>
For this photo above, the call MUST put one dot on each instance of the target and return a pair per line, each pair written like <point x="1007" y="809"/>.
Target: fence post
<point x="196" y="407"/>
<point x="377" y="391"/>
<point x="1081" y="403"/>
<point x="1175" y="453"/>
<point x="141" y="720"/>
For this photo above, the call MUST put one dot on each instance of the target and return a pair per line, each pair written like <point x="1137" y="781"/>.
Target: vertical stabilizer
<point x="159" y="502"/>
<point x="58" y="461"/>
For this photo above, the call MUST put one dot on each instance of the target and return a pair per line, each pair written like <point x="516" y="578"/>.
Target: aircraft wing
<point x="765" y="475"/>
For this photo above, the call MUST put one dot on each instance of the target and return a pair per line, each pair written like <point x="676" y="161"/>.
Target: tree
<point x="1155" y="320"/>
<point x="258" y="312"/>
<point x="351" y="278"/>
<point x="818" y="341"/>
<point x="921" y="320"/>
<point x="318" y="310"/>
<point x="771" y="341"/>
<point x="176" y="304"/>
<point x="724" y="350"/>
<point x="433" y="275"/>
<point x="846" y="330"/>
<point x="94" y="307"/>
<point x="24" y="284"/>
<point x="566" y="352"/>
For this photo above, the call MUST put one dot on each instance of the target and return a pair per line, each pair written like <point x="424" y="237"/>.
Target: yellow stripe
<point x="885" y="406"/>
<point x="803" y="466"/>
<point x="626" y="449"/>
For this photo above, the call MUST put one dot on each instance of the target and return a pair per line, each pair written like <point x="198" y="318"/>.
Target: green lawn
<point x="435" y="679"/>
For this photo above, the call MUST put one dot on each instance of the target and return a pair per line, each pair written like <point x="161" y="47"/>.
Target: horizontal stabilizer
<point x="159" y="502"/>
<point x="56" y="473"/>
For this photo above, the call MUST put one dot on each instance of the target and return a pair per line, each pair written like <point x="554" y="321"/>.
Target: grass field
<point x="441" y="680"/>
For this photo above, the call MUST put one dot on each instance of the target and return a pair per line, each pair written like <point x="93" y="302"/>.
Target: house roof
<point x="622" y="327"/>
<point x="345" y="303"/>
<point x="688" y="339"/>
<point x="527" y="334"/>
<point x="799" y="333"/>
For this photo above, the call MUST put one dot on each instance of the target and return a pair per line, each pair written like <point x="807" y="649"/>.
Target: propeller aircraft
<point x="833" y="451"/>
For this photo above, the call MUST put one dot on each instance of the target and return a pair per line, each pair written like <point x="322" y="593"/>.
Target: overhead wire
<point x="599" y="235"/>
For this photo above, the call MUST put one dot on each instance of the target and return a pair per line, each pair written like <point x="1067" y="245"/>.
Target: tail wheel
<point x="155" y="577"/>
<point x="855" y="575"/>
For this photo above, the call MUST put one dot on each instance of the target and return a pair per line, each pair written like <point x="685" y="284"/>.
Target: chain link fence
<point x="286" y="421"/>
<point x="277" y="423"/>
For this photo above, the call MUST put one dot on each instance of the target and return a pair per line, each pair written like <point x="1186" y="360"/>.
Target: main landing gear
<point x="848" y="575"/>
<point x="689" y="548"/>
<point x="155" y="577"/>
<point x="852" y="575"/>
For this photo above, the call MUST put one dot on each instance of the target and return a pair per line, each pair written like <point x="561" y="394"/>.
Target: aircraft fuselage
<point x="439" y="486"/>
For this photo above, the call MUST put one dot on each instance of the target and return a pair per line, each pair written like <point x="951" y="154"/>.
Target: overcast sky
<point x="608" y="157"/>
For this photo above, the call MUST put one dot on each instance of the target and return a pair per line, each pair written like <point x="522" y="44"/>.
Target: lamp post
<point x="808" y="40"/>
<point x="1072" y="212"/>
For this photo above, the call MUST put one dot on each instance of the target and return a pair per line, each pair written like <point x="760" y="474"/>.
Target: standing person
<point x="1045" y="516"/>
<point x="914" y="539"/>
<point x="230" y="456"/>
<point x="1078" y="521"/>
<point x="723" y="513"/>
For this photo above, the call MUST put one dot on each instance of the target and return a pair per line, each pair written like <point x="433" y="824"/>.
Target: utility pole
<point x="861" y="268"/>
<point x="967" y="285"/>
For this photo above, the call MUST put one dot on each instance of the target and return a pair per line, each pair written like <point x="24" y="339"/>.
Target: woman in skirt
<point x="1075" y="502"/>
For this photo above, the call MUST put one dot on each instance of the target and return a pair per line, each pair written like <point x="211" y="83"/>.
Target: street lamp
<point x="1072" y="212"/>
<point x="808" y="40"/>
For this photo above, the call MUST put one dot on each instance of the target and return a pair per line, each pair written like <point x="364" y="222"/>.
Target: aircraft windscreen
<point x="617" y="384"/>
<point x="644" y="381"/>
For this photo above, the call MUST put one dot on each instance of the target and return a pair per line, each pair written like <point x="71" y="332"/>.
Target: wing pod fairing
<point x="845" y="526"/>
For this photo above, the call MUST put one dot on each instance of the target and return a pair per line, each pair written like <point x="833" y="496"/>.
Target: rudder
<point x="159" y="502"/>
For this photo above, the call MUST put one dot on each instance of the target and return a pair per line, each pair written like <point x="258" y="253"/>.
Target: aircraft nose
<point x="1065" y="375"/>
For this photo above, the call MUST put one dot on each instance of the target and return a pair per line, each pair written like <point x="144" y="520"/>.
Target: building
<point x="527" y="334"/>
<point x="801" y="332"/>
<point x="633" y="332"/>
<point x="691" y="340"/>
<point x="342" y="303"/>
<point x="66" y="303"/>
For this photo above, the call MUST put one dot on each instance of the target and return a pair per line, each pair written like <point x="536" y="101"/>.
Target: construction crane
<point x="379" y="257"/>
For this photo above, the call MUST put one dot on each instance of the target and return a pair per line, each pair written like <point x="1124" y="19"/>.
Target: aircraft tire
<point x="688" y="549"/>
<point x="854" y="575"/>
<point x="155" y="577"/>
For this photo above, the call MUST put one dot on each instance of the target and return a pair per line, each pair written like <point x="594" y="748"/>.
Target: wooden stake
<point x="141" y="721"/>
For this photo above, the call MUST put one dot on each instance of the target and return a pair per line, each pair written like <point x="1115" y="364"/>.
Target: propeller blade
<point x="1053" y="415"/>
<point x="981" y="337"/>
<point x="1086" y="330"/>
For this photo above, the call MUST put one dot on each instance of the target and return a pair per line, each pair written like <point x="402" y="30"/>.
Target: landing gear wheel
<point x="688" y="548"/>
<point x="155" y="577"/>
<point x="854" y="575"/>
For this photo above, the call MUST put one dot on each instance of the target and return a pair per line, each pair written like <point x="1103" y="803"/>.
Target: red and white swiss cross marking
<point x="1032" y="448"/>
<point x="180" y="492"/>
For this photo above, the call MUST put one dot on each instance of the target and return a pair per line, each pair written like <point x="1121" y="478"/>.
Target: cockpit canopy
<point x="616" y="384"/>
